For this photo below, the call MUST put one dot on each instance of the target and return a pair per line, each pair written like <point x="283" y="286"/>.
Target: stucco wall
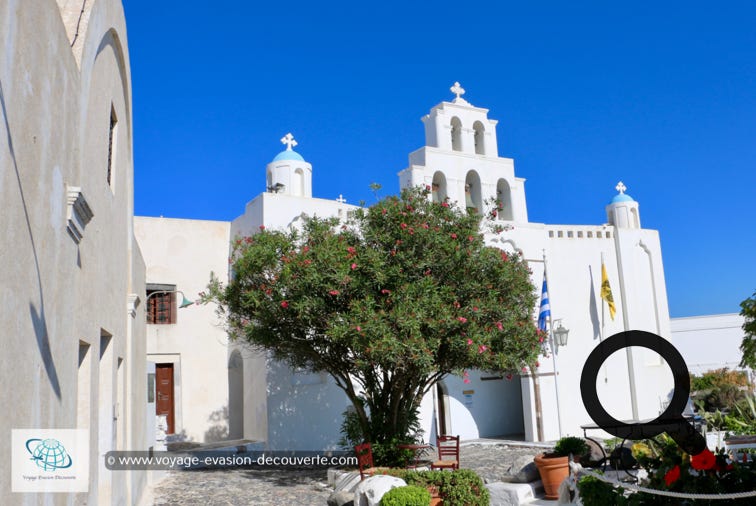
<point x="709" y="342"/>
<point x="184" y="253"/>
<point x="55" y="105"/>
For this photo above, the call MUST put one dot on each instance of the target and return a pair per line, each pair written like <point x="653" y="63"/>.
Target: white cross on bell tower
<point x="621" y="187"/>
<point x="288" y="139"/>
<point x="458" y="90"/>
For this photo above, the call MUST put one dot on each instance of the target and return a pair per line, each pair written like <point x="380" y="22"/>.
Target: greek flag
<point x="545" y="311"/>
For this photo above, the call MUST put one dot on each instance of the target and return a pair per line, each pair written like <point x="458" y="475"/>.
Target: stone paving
<point x="276" y="487"/>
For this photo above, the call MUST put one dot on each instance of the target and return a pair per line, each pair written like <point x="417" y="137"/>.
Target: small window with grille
<point x="161" y="304"/>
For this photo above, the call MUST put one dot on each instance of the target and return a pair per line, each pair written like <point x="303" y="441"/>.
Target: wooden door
<point x="164" y="380"/>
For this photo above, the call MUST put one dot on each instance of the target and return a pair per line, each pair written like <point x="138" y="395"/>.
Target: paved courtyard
<point x="490" y="459"/>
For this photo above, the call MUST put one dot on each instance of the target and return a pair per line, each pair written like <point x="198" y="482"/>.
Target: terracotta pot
<point x="553" y="471"/>
<point x="435" y="497"/>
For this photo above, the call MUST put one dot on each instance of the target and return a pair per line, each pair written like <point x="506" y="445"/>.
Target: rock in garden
<point x="370" y="491"/>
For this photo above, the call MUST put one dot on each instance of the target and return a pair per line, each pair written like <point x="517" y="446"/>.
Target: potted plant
<point x="554" y="467"/>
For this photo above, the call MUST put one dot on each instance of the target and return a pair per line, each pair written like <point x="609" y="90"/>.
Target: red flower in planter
<point x="703" y="461"/>
<point x="672" y="476"/>
<point x="284" y="304"/>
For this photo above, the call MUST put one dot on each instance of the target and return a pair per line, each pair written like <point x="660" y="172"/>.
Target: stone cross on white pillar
<point x="288" y="139"/>
<point x="457" y="90"/>
<point x="341" y="199"/>
<point x="620" y="187"/>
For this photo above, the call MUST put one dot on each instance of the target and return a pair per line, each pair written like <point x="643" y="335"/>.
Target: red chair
<point x="448" y="453"/>
<point x="365" y="460"/>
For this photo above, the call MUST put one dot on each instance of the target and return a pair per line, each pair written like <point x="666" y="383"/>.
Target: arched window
<point x="438" y="187"/>
<point x="456" y="134"/>
<point x="480" y="131"/>
<point x="503" y="200"/>
<point x="636" y="221"/>
<point x="298" y="183"/>
<point x="473" y="200"/>
<point x="269" y="180"/>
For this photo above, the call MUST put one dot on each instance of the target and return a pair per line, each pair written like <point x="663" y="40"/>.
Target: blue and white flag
<point x="545" y="311"/>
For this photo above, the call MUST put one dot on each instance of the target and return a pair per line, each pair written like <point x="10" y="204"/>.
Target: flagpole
<point x="603" y="321"/>
<point x="553" y="349"/>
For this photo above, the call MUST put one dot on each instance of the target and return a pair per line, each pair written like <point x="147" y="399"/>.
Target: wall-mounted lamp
<point x="276" y="188"/>
<point x="560" y="335"/>
<point x="184" y="302"/>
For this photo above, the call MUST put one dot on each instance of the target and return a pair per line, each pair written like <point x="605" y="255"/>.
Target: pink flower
<point x="470" y="238"/>
<point x="499" y="326"/>
<point x="385" y="291"/>
<point x="475" y="308"/>
<point x="482" y="348"/>
<point x="466" y="377"/>
<point x="469" y="342"/>
<point x="262" y="227"/>
<point x="427" y="187"/>
<point x="307" y="262"/>
<point x="453" y="235"/>
<point x="444" y="204"/>
<point x="509" y="376"/>
<point x="351" y="250"/>
<point x="537" y="364"/>
<point x="504" y="256"/>
<point x="462" y="319"/>
<point x="384" y="211"/>
<point x="358" y="328"/>
<point x="354" y="266"/>
<point x="334" y="292"/>
<point x="403" y="225"/>
<point x="466" y="380"/>
<point x="284" y="304"/>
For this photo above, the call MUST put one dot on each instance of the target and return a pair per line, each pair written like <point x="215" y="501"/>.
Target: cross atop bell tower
<point x="288" y="139"/>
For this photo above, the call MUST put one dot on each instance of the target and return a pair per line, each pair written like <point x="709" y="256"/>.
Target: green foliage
<point x="570" y="445"/>
<point x="402" y="294"/>
<point x="719" y="389"/>
<point x="461" y="487"/>
<point x="406" y="496"/>
<point x="748" y="345"/>
<point x="740" y="419"/>
<point x="594" y="492"/>
<point x="669" y="468"/>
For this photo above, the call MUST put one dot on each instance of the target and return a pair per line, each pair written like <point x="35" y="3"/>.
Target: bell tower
<point x="622" y="211"/>
<point x="460" y="161"/>
<point x="289" y="173"/>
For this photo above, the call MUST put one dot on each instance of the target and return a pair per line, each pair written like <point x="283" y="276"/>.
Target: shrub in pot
<point x="554" y="467"/>
<point x="406" y="496"/>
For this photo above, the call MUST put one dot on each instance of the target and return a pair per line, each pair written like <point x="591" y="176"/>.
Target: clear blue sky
<point x="661" y="95"/>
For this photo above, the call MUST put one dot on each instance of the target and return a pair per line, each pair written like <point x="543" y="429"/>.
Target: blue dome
<point x="622" y="197"/>
<point x="288" y="155"/>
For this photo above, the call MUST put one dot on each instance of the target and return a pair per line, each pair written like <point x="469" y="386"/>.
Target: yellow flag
<point x="606" y="291"/>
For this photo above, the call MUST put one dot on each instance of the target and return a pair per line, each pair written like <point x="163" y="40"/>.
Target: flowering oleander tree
<point x="387" y="303"/>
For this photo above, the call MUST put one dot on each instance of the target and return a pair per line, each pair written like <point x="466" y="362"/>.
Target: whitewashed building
<point x="709" y="342"/>
<point x="73" y="333"/>
<point x="460" y="161"/>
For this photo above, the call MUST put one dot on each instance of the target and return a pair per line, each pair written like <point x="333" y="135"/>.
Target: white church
<point x="212" y="382"/>
<point x="95" y="338"/>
